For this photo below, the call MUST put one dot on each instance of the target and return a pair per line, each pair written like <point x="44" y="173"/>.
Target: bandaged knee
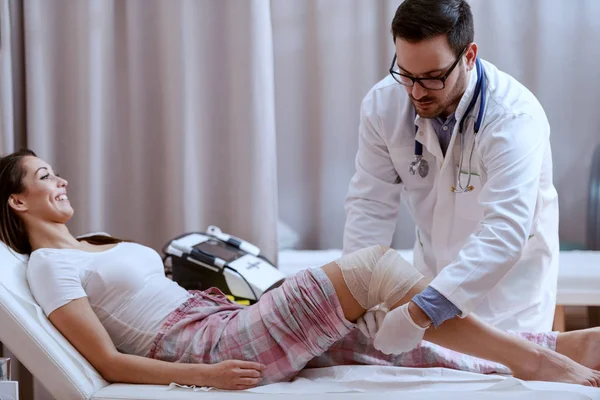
<point x="378" y="275"/>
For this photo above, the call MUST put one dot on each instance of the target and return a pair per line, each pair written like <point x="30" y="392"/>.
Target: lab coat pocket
<point x="467" y="204"/>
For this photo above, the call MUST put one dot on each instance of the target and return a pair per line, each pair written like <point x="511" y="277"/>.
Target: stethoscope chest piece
<point x="419" y="166"/>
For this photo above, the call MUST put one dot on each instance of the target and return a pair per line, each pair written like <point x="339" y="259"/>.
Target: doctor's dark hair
<point x="12" y="229"/>
<point x="418" y="20"/>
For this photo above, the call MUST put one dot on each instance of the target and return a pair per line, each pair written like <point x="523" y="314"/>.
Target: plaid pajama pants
<point x="300" y="324"/>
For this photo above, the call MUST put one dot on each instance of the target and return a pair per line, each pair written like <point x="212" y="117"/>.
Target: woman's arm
<point x="80" y="325"/>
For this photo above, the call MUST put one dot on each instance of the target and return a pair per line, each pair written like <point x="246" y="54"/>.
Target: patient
<point x="112" y="301"/>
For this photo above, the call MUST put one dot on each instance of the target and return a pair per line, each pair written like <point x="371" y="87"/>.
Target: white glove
<point x="398" y="333"/>
<point x="370" y="322"/>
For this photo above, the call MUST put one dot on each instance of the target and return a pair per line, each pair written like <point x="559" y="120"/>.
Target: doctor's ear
<point x="16" y="204"/>
<point x="471" y="56"/>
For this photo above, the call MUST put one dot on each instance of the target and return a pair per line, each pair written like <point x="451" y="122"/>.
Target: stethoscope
<point x="420" y="166"/>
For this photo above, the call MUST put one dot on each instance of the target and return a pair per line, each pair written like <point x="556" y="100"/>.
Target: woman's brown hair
<point x="12" y="228"/>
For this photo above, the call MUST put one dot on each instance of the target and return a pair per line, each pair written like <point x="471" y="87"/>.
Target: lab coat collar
<point x="467" y="96"/>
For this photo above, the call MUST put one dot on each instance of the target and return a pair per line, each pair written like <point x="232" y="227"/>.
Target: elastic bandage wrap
<point x="377" y="275"/>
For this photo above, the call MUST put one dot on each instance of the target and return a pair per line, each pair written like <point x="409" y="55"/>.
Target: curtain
<point x="160" y="113"/>
<point x="328" y="54"/>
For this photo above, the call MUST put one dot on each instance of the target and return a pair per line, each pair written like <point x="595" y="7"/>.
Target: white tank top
<point x="125" y="285"/>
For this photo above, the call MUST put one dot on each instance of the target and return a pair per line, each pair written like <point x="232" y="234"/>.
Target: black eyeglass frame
<point x="398" y="76"/>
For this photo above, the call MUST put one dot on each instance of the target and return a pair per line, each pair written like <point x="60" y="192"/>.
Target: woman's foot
<point x="554" y="367"/>
<point x="582" y="346"/>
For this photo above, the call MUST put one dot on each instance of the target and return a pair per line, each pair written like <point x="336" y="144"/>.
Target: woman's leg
<point x="582" y="346"/>
<point x="525" y="359"/>
<point x="470" y="336"/>
<point x="372" y="276"/>
<point x="352" y="309"/>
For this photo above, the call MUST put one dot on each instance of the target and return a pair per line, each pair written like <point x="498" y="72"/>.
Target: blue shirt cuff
<point x="437" y="307"/>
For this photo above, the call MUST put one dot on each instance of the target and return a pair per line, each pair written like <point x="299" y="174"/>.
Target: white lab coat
<point x="493" y="251"/>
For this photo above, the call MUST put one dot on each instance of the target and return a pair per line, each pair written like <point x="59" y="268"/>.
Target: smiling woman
<point x="32" y="187"/>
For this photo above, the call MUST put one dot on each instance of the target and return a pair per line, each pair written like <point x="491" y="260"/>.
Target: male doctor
<point x="466" y="148"/>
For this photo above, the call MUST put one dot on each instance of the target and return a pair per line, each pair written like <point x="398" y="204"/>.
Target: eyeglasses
<point x="427" y="83"/>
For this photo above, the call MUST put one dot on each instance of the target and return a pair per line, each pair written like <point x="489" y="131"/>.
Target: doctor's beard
<point x="442" y="105"/>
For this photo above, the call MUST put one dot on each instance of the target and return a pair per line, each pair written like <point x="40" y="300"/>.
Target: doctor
<point x="466" y="148"/>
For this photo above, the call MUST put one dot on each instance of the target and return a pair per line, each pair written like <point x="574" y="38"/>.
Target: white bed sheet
<point x="578" y="277"/>
<point x="363" y="382"/>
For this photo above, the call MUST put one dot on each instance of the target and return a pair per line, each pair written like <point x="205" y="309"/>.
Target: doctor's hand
<point x="399" y="333"/>
<point x="234" y="375"/>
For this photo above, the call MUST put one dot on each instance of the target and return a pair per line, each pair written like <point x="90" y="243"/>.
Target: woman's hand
<point x="234" y="375"/>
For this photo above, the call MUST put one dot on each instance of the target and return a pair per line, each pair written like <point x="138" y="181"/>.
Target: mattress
<point x="578" y="276"/>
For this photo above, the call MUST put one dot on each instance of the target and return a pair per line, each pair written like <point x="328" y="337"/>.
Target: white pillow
<point x="37" y="344"/>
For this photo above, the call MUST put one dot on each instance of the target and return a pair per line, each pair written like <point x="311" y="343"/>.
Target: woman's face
<point x="45" y="195"/>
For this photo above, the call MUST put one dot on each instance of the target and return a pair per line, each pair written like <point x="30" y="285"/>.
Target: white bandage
<point x="377" y="275"/>
<point x="370" y="322"/>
